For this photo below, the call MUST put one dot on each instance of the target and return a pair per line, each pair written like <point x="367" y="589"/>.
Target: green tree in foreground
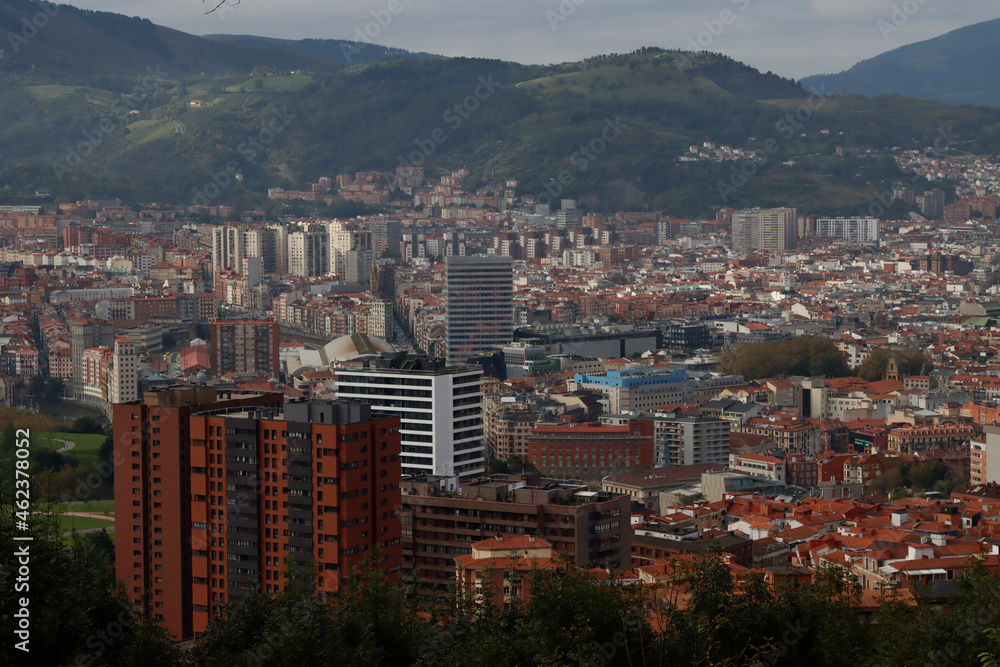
<point x="79" y="613"/>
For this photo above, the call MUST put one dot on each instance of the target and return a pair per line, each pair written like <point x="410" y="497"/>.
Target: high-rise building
<point x="153" y="493"/>
<point x="855" y="230"/>
<point x="83" y="334"/>
<point x="765" y="229"/>
<point x="351" y="252"/>
<point x="440" y="408"/>
<point x="313" y="484"/>
<point x="124" y="372"/>
<point x="245" y="346"/>
<point x="308" y="253"/>
<point x="386" y="235"/>
<point x="279" y="239"/>
<point x="932" y="204"/>
<point x="479" y="301"/>
<point x="228" y="248"/>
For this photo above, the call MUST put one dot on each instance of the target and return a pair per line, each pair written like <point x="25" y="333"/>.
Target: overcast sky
<point x="792" y="38"/>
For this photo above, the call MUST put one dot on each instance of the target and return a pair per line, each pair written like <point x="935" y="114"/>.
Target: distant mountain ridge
<point x="345" y="52"/>
<point x="70" y="39"/>
<point x="958" y="68"/>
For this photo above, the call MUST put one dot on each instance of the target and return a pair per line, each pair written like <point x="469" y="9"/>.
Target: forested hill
<point x="165" y="134"/>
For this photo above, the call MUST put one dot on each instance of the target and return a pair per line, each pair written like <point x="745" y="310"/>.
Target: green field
<point x="86" y="443"/>
<point x="68" y="523"/>
<point x="90" y="507"/>
<point x="272" y="84"/>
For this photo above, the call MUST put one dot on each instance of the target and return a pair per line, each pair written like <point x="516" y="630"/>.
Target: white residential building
<point x="440" y="409"/>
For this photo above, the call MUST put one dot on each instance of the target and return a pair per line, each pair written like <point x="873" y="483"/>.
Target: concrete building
<point x="691" y="440"/>
<point x="765" y="229"/>
<point x="439" y="524"/>
<point x="351" y="253"/>
<point x="245" y="346"/>
<point x="308" y="253"/>
<point x="985" y="455"/>
<point x="855" y="230"/>
<point x="759" y="465"/>
<point x="479" y="298"/>
<point x="153" y="498"/>
<point x="84" y="334"/>
<point x="124" y="384"/>
<point x="645" y="486"/>
<point x="312" y="485"/>
<point x="228" y="248"/>
<point x="440" y="407"/>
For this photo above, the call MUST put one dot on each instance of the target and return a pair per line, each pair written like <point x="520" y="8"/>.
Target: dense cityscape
<point x="478" y="411"/>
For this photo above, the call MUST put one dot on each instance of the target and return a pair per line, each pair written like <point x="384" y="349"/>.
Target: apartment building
<point x="440" y="408"/>
<point x="691" y="440"/>
<point x="245" y="346"/>
<point x="985" y="457"/>
<point x="312" y="485"/>
<point x="592" y="527"/>
<point x="153" y="491"/>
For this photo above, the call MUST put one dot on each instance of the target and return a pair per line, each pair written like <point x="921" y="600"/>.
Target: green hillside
<point x="539" y="124"/>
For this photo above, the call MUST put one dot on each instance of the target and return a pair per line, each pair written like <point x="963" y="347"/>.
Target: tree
<point x="512" y="465"/>
<point x="7" y="439"/>
<point x="911" y="362"/>
<point x="79" y="611"/>
<point x="808" y="355"/>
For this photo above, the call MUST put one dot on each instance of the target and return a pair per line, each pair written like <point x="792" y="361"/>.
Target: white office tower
<point x="440" y="408"/>
<point x="125" y="372"/>
<point x="479" y="302"/>
<point x="351" y="252"/>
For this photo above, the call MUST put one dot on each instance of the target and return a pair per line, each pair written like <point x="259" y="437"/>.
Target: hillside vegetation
<point x="608" y="130"/>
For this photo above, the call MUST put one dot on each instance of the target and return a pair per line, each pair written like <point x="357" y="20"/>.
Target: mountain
<point x="958" y="67"/>
<point x="342" y="51"/>
<point x="65" y="39"/>
<point x="608" y="131"/>
<point x="80" y="117"/>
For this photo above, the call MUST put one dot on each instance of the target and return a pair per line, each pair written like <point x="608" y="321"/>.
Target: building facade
<point x="479" y="302"/>
<point x="592" y="527"/>
<point x="589" y="452"/>
<point x="153" y="494"/>
<point x="312" y="485"/>
<point x="765" y="229"/>
<point x="855" y="230"/>
<point x="245" y="346"/>
<point x="440" y="408"/>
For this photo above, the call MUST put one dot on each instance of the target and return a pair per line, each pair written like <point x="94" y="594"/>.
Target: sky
<point x="792" y="38"/>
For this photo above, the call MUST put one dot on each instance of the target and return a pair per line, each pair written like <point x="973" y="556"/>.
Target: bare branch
<point x="219" y="4"/>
